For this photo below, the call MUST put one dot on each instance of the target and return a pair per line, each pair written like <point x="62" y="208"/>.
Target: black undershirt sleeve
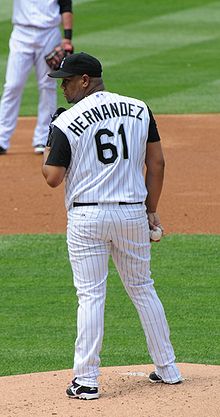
<point x="65" y="6"/>
<point x="60" y="151"/>
<point x="153" y="134"/>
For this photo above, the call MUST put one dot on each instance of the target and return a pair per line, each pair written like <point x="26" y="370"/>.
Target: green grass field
<point x="38" y="304"/>
<point x="163" y="52"/>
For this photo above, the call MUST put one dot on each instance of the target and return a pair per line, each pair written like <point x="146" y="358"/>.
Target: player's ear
<point x="85" y="80"/>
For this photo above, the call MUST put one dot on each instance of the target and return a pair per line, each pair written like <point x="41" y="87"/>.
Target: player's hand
<point x="154" y="221"/>
<point x="156" y="228"/>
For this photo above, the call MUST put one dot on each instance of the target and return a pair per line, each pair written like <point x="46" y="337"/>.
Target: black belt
<point x="121" y="203"/>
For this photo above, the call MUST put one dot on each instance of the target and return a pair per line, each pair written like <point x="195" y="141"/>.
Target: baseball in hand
<point x="155" y="235"/>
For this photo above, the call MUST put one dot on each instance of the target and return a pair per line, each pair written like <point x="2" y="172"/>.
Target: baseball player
<point x="35" y="33"/>
<point x="101" y="146"/>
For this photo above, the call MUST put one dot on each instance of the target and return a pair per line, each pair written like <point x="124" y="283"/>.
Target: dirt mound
<point x="124" y="392"/>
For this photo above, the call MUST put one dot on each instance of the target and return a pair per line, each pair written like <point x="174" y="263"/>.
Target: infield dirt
<point x="190" y="203"/>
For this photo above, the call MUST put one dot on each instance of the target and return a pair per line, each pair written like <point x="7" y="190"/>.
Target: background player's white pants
<point x="93" y="234"/>
<point x="28" y="46"/>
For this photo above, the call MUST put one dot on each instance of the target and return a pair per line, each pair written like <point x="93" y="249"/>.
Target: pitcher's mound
<point x="124" y="392"/>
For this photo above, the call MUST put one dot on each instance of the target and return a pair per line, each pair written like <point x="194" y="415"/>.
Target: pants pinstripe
<point x="93" y="234"/>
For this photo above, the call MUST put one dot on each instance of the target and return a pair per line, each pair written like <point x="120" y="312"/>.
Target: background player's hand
<point x="67" y="45"/>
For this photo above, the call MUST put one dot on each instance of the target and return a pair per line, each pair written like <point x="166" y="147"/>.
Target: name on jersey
<point x="103" y="112"/>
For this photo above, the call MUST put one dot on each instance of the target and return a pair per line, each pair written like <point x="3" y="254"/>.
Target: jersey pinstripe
<point x="107" y="133"/>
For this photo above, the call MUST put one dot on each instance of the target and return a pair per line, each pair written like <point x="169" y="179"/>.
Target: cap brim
<point x="60" y="74"/>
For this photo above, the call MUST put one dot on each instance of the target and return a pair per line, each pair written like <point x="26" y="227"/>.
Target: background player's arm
<point x="67" y="22"/>
<point x="154" y="175"/>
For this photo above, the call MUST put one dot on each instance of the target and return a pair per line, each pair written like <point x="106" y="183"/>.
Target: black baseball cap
<point x="78" y="64"/>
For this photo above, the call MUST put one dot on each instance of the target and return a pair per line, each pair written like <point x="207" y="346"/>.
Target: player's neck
<point x="95" y="87"/>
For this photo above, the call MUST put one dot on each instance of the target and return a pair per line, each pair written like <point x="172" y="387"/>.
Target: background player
<point x="35" y="33"/>
<point x="101" y="146"/>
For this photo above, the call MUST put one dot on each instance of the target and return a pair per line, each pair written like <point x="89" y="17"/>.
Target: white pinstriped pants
<point x="93" y="233"/>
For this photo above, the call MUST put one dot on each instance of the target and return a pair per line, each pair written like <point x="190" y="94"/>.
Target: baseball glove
<point x="53" y="117"/>
<point x="55" y="57"/>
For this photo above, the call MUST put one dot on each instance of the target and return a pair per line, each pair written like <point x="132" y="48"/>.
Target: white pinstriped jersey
<point x="38" y="13"/>
<point x="107" y="133"/>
